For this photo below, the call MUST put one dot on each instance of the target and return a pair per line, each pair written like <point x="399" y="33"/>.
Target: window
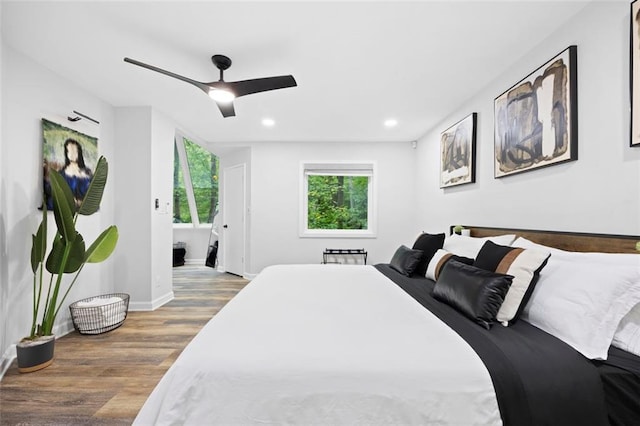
<point x="337" y="200"/>
<point x="181" y="211"/>
<point x="195" y="183"/>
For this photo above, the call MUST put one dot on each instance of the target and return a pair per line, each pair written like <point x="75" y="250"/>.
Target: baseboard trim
<point x="195" y="262"/>
<point x="245" y="275"/>
<point x="153" y="305"/>
<point x="6" y="360"/>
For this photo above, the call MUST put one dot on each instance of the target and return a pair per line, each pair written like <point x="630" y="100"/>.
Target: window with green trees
<point x="195" y="183"/>
<point x="337" y="200"/>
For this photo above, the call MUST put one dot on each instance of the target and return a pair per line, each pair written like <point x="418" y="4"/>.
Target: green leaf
<point x="93" y="197"/>
<point x="63" y="206"/>
<point x="103" y="246"/>
<point x="74" y="260"/>
<point x="39" y="246"/>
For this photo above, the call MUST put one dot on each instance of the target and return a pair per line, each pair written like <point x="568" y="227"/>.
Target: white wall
<point x="30" y="92"/>
<point x="133" y="257"/>
<point x="275" y="201"/>
<point x="4" y="280"/>
<point x="162" y="140"/>
<point x="598" y="193"/>
<point x="197" y="241"/>
<point x="143" y="173"/>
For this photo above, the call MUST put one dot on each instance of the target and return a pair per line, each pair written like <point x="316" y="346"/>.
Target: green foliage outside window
<point x="337" y="202"/>
<point x="181" y="213"/>
<point x="203" y="170"/>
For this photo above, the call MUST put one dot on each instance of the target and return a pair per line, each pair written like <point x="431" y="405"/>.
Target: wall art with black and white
<point x="536" y="120"/>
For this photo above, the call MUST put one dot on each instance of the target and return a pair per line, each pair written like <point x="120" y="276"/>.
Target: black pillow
<point x="523" y="264"/>
<point x="405" y="260"/>
<point x="475" y="292"/>
<point x="429" y="244"/>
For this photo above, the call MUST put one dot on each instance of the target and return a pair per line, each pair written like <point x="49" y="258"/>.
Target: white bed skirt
<point x="324" y="344"/>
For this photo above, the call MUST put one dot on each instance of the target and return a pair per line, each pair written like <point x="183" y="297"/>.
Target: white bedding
<point x="324" y="344"/>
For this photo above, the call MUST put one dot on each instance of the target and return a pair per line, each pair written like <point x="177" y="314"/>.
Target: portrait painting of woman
<point x="72" y="154"/>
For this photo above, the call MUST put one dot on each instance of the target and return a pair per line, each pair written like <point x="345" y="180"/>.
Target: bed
<point x="356" y="344"/>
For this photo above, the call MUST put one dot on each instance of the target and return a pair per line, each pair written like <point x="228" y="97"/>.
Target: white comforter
<point x="327" y="345"/>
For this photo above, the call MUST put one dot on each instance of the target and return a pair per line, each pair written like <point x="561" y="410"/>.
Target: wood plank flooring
<point x="105" y="379"/>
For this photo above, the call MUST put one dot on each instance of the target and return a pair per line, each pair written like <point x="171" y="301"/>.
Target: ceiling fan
<point x="222" y="92"/>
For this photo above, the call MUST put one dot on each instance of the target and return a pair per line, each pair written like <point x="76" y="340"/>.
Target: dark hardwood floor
<point x="105" y="379"/>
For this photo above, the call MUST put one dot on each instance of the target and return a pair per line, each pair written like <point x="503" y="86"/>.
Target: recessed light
<point x="268" y="122"/>
<point x="392" y="122"/>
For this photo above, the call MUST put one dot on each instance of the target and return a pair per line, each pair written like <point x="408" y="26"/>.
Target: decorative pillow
<point x="406" y="260"/>
<point x="438" y="261"/>
<point x="627" y="336"/>
<point x="429" y="244"/>
<point x="582" y="302"/>
<point x="524" y="265"/>
<point x="475" y="292"/>
<point x="470" y="246"/>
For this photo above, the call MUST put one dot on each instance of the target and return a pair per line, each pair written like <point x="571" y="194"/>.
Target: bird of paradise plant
<point x="68" y="254"/>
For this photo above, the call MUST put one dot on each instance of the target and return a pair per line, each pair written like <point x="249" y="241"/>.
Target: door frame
<point x="225" y="250"/>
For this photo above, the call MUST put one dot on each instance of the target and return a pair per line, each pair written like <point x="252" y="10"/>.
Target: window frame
<point x="338" y="168"/>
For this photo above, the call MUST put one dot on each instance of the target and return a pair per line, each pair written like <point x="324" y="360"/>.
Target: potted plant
<point x="67" y="256"/>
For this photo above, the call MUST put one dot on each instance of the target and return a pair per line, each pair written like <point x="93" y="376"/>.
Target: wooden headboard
<point x="572" y="241"/>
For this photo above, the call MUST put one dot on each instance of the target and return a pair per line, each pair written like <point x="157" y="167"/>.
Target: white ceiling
<point x="356" y="63"/>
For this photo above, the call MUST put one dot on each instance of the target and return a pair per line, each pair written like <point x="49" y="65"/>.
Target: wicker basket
<point x="99" y="314"/>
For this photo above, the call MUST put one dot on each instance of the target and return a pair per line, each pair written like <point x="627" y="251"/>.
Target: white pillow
<point x="627" y="335"/>
<point x="622" y="259"/>
<point x="582" y="302"/>
<point x="470" y="246"/>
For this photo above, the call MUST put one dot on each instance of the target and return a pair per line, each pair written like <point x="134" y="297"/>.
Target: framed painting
<point x="458" y="153"/>
<point x="635" y="71"/>
<point x="536" y="120"/>
<point x="72" y="154"/>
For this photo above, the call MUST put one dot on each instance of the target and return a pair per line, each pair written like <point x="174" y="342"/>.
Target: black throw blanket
<point x="538" y="379"/>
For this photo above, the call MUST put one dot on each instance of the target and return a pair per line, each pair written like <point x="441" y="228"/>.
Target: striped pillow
<point x="523" y="264"/>
<point x="439" y="259"/>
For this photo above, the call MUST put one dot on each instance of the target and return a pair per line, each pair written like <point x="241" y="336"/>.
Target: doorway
<point x="233" y="218"/>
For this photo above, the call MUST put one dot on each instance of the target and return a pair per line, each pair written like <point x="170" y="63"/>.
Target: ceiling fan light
<point x="222" y="96"/>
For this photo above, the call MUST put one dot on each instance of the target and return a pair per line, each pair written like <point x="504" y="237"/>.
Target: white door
<point x="233" y="219"/>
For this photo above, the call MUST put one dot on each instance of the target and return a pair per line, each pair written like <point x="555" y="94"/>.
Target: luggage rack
<point x="343" y="252"/>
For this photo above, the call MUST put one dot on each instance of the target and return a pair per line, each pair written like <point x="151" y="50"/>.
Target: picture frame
<point x="634" y="52"/>
<point x="536" y="120"/>
<point x="72" y="154"/>
<point x="458" y="152"/>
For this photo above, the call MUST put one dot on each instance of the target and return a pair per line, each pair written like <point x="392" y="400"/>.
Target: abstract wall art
<point x="536" y="120"/>
<point x="635" y="72"/>
<point x="458" y="153"/>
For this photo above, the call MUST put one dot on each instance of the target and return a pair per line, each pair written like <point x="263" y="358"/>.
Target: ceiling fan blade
<point x="199" y="85"/>
<point x="226" y="109"/>
<point x="256" y="85"/>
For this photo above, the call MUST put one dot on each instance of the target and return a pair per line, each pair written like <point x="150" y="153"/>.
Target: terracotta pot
<point x="36" y="354"/>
